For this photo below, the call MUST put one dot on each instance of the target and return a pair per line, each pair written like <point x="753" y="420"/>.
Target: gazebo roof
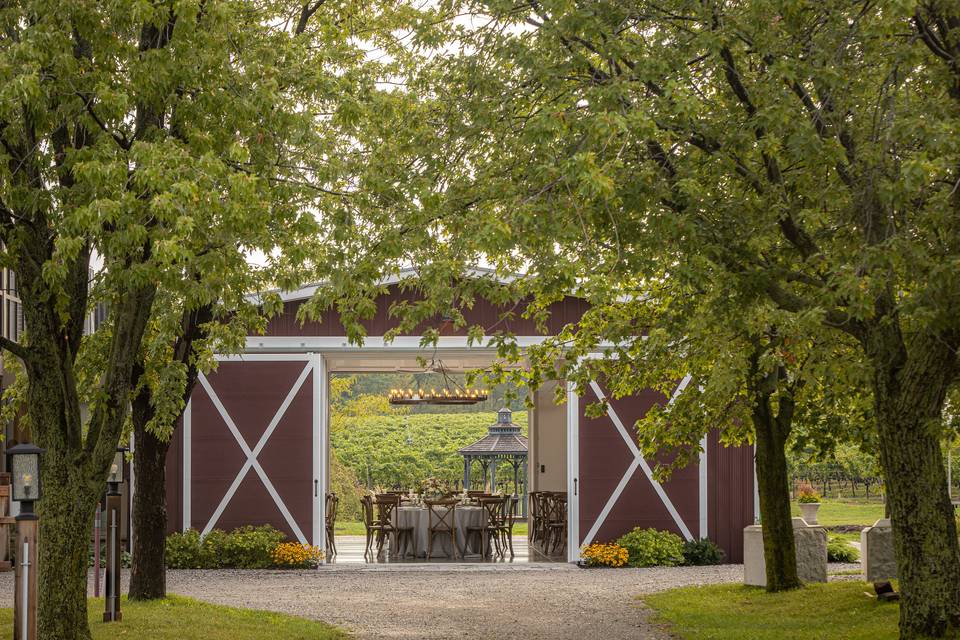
<point x="503" y="438"/>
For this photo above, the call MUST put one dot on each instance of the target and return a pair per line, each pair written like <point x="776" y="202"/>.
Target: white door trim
<point x="186" y="510"/>
<point x="638" y="461"/>
<point x="704" y="489"/>
<point x="251" y="455"/>
<point x="573" y="473"/>
<point x="320" y="451"/>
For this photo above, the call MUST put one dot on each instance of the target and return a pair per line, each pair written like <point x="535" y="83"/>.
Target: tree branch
<point x="16" y="349"/>
<point x="305" y="14"/>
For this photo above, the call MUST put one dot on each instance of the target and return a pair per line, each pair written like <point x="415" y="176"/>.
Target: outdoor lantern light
<point x="116" y="467"/>
<point x="112" y="611"/>
<point x="24" y="465"/>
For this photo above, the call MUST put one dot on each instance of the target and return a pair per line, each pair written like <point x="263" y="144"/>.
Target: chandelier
<point x="451" y="393"/>
<point x="443" y="396"/>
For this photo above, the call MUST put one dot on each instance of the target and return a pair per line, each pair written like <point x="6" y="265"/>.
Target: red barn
<point x="254" y="444"/>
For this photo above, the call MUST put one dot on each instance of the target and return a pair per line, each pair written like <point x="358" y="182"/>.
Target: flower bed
<point x="244" y="548"/>
<point x="651" y="548"/>
<point x="601" y="554"/>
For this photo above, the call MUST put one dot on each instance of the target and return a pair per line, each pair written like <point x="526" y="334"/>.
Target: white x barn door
<point x="252" y="446"/>
<point x="617" y="489"/>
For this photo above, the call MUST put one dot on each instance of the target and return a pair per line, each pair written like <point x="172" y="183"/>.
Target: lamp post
<point x="24" y="465"/>
<point x="111" y="589"/>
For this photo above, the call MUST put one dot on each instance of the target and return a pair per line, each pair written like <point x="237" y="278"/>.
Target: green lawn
<point x="356" y="529"/>
<point x="178" y="618"/>
<point x="834" y="512"/>
<point x="737" y="612"/>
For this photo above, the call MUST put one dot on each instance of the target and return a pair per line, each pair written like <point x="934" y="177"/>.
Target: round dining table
<point x="418" y="519"/>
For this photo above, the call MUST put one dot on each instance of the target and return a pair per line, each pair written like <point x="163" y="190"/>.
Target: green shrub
<point x="243" y="548"/>
<point x="250" y="547"/>
<point x="702" y="552"/>
<point x="126" y="560"/>
<point x="839" y="550"/>
<point x="183" y="551"/>
<point x="652" y="548"/>
<point x="212" y="549"/>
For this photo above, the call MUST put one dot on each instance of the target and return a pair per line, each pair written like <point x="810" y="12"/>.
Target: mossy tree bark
<point x="772" y="429"/>
<point x="911" y="381"/>
<point x="148" y="578"/>
<point x="74" y="468"/>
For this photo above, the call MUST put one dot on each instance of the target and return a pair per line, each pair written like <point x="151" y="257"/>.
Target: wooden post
<point x="5" y="562"/>
<point x="112" y="576"/>
<point x="25" y="576"/>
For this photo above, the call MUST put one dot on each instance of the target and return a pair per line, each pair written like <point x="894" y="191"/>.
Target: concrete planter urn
<point x="808" y="510"/>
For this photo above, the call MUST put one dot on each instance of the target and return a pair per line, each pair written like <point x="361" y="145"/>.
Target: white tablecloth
<point x="418" y="519"/>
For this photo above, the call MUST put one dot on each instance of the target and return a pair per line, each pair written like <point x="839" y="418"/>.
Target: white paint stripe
<point x="704" y="490"/>
<point x="680" y="387"/>
<point x="187" y="479"/>
<point x="252" y="455"/>
<point x="321" y="450"/>
<point x="638" y="460"/>
<point x="756" y="489"/>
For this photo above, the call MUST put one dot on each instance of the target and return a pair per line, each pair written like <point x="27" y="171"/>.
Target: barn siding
<point x="730" y="507"/>
<point x="483" y="313"/>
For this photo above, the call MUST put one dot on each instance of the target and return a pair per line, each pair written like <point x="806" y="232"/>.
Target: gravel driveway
<point x="437" y="602"/>
<point x="390" y="602"/>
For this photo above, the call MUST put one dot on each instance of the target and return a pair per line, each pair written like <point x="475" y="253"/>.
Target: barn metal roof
<point x="503" y="438"/>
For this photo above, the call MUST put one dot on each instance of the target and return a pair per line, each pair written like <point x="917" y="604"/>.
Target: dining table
<point x="417" y="518"/>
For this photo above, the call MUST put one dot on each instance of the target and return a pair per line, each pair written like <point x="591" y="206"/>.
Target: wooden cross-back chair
<point x="542" y="523"/>
<point x="386" y="504"/>
<point x="370" y="524"/>
<point x="534" y="514"/>
<point x="491" y="526"/>
<point x="505" y="528"/>
<point x="442" y="521"/>
<point x="330" y="513"/>
<point x="557" y="522"/>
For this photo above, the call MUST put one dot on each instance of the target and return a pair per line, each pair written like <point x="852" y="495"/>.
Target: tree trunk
<point x="66" y="507"/>
<point x="148" y="579"/>
<point x="773" y="486"/>
<point x="66" y="522"/>
<point x="909" y="396"/>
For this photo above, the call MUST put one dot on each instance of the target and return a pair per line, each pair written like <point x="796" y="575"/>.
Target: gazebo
<point x="502" y="444"/>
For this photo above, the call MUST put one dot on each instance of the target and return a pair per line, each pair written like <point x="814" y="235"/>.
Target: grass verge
<point x="736" y="612"/>
<point x="835" y="512"/>
<point x="179" y="618"/>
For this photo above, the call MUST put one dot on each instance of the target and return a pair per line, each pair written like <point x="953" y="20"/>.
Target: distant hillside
<point x="391" y="450"/>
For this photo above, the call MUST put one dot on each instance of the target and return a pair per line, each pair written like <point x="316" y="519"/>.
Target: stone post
<point x="811" y="544"/>
<point x="877" y="559"/>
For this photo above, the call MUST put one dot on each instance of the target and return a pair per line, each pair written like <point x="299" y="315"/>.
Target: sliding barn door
<point x="617" y="489"/>
<point x="709" y="498"/>
<point x="250" y="448"/>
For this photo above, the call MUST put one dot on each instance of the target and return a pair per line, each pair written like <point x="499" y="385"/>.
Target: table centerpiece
<point x="433" y="489"/>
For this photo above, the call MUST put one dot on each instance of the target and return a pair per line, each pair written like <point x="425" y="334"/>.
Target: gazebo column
<point x="467" y="463"/>
<point x="493" y="475"/>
